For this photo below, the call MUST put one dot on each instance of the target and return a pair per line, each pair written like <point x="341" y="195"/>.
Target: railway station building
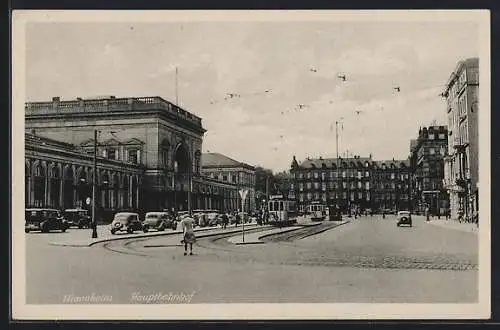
<point x="148" y="153"/>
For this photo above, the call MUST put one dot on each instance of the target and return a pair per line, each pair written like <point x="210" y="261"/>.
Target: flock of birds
<point x="302" y="106"/>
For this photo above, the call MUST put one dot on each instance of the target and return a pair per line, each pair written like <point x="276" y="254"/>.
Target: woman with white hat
<point x="187" y="225"/>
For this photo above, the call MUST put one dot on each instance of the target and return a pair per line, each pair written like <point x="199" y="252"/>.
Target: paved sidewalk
<point x="454" y="224"/>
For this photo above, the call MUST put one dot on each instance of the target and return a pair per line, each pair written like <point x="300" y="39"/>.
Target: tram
<point x="282" y="211"/>
<point x="317" y="211"/>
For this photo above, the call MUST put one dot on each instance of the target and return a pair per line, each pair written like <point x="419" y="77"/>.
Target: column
<point x="130" y="195"/>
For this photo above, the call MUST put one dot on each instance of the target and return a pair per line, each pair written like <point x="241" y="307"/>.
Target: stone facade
<point x="237" y="174"/>
<point x="60" y="175"/>
<point x="356" y="183"/>
<point x="148" y="133"/>
<point x="427" y="154"/>
<point x="461" y="162"/>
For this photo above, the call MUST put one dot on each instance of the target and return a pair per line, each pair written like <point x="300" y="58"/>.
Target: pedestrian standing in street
<point x="225" y="220"/>
<point x="187" y="225"/>
<point x="427" y="215"/>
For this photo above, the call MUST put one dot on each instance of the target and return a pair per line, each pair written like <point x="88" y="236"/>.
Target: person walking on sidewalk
<point x="187" y="225"/>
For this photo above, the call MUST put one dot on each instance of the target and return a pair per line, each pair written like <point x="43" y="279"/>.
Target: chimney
<point x="56" y="99"/>
<point x="79" y="99"/>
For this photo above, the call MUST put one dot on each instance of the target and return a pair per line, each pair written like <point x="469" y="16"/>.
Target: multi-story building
<point x="461" y="163"/>
<point x="237" y="174"/>
<point x="148" y="136"/>
<point x="60" y="175"/>
<point x="351" y="183"/>
<point x="427" y="154"/>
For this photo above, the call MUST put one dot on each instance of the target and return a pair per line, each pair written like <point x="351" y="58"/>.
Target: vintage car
<point x="126" y="221"/>
<point x="159" y="221"/>
<point x="44" y="220"/>
<point x="404" y="218"/>
<point x="213" y="218"/>
<point x="78" y="218"/>
<point x="200" y="218"/>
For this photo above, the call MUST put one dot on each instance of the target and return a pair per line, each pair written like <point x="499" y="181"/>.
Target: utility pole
<point x="94" y="193"/>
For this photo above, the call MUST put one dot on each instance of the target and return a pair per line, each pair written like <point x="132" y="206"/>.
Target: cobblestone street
<point x="366" y="260"/>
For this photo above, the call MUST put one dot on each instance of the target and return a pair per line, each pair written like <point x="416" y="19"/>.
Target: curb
<point x="128" y="236"/>
<point x="474" y="230"/>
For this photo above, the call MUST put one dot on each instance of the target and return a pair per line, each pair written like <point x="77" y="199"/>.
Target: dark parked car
<point x="78" y="217"/>
<point x="44" y="220"/>
<point x="404" y="218"/>
<point x="159" y="221"/>
<point x="126" y="221"/>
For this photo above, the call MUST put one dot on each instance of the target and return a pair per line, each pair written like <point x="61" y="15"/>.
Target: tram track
<point x="300" y="233"/>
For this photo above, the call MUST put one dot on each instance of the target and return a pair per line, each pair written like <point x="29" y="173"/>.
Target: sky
<point x="285" y="75"/>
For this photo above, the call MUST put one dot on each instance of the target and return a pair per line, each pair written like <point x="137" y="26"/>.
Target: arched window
<point x="68" y="187"/>
<point x="126" y="191"/>
<point x="39" y="174"/>
<point x="105" y="190"/>
<point x="115" y="192"/>
<point x="134" y="192"/>
<point x="27" y="178"/>
<point x="55" y="186"/>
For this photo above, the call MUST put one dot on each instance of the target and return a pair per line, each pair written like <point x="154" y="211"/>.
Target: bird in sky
<point x="358" y="112"/>
<point x="313" y="70"/>
<point x="397" y="89"/>
<point x="302" y="106"/>
<point x="341" y="76"/>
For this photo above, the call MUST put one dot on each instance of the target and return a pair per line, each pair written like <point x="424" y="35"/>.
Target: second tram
<point x="317" y="211"/>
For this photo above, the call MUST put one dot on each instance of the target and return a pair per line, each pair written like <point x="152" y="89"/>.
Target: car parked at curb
<point x="125" y="221"/>
<point x="77" y="218"/>
<point x="44" y="220"/>
<point x="159" y="221"/>
<point x="404" y="218"/>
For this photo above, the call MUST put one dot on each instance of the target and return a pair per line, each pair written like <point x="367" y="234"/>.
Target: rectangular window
<point x="315" y="175"/>
<point x="432" y="151"/>
<point x="132" y="156"/>
<point x="367" y="185"/>
<point x="301" y="175"/>
<point x="308" y="175"/>
<point x="360" y="195"/>
<point x="392" y="176"/>
<point x="323" y="175"/>
<point x="431" y="136"/>
<point x="344" y="184"/>
<point x="111" y="153"/>
<point x="224" y="177"/>
<point x="309" y="185"/>
<point x="343" y="174"/>
<point x="359" y="184"/>
<point x="441" y="136"/>
<point x="316" y="185"/>
<point x="323" y="186"/>
<point x="367" y="174"/>
<point x="301" y="186"/>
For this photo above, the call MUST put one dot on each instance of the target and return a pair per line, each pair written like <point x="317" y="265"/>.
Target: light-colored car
<point x="404" y="218"/>
<point x="125" y="221"/>
<point x="159" y="221"/>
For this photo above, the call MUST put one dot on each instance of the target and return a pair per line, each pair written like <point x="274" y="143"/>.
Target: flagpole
<point x="176" y="86"/>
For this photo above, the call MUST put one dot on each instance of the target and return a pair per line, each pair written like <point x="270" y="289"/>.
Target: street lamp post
<point x="94" y="193"/>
